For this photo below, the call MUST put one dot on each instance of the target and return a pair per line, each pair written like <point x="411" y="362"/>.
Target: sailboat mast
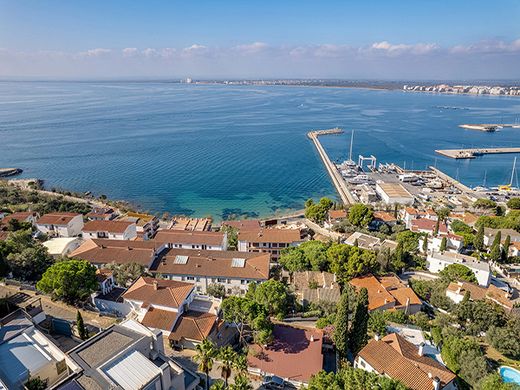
<point x="351" y="142"/>
<point x="513" y="172"/>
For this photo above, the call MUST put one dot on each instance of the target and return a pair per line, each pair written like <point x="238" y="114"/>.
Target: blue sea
<point x="233" y="150"/>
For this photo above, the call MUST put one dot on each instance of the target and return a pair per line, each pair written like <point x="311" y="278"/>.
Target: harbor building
<point x="394" y="193"/>
<point x="61" y="224"/>
<point x="204" y="240"/>
<point x="272" y="241"/>
<point x="111" y="230"/>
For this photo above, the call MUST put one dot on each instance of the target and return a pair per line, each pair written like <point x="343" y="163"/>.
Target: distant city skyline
<point x="455" y="40"/>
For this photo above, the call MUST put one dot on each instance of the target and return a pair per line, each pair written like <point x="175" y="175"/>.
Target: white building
<point x="205" y="240"/>
<point x="234" y="270"/>
<point x="127" y="356"/>
<point x="438" y="261"/>
<point x="394" y="193"/>
<point x="26" y="352"/>
<point x="112" y="230"/>
<point x="489" y="235"/>
<point x="147" y="225"/>
<point x="61" y="224"/>
<point x="272" y="241"/>
<point x="61" y="246"/>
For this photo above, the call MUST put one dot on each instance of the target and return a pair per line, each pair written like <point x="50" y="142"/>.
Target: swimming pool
<point x="510" y="375"/>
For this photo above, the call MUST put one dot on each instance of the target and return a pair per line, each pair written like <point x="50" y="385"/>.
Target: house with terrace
<point x="234" y="270"/>
<point x="102" y="252"/>
<point x="271" y="241"/>
<point x="110" y="230"/>
<point x="175" y="309"/>
<point x="395" y="357"/>
<point x="388" y="293"/>
<point x="204" y="240"/>
<point x="60" y="224"/>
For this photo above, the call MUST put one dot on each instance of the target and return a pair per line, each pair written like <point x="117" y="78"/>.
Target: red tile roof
<point x="270" y="235"/>
<point x="428" y="224"/>
<point x="159" y="319"/>
<point x="399" y="359"/>
<point x="244" y="224"/>
<point x="293" y="354"/>
<point x="386" y="291"/>
<point x="100" y="251"/>
<point x="337" y="214"/>
<point x="57" y="218"/>
<point x="193" y="325"/>
<point x="117" y="227"/>
<point x="21" y="216"/>
<point x="214" y="263"/>
<point x="168" y="293"/>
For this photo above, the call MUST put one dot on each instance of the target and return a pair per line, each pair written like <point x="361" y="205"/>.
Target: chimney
<point x="312" y="338"/>
<point x="436" y="383"/>
<point x="155" y="285"/>
<point x="421" y="349"/>
<point x="376" y="337"/>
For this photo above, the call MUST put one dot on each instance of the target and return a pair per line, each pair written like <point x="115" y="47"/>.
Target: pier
<point x="488" y="128"/>
<point x="5" y="172"/>
<point x="472" y="153"/>
<point x="337" y="180"/>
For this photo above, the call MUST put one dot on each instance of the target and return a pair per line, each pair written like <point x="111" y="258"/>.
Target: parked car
<point x="273" y="382"/>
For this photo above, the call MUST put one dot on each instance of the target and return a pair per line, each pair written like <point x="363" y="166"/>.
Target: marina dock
<point x="488" y="128"/>
<point x="473" y="153"/>
<point x="337" y="180"/>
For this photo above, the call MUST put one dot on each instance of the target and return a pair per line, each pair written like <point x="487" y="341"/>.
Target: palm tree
<point x="227" y="357"/>
<point x="205" y="357"/>
<point x="240" y="363"/>
<point x="218" y="385"/>
<point x="241" y="383"/>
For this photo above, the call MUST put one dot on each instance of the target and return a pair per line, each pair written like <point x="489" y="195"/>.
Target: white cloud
<point x="252" y="48"/>
<point x="418" y="48"/>
<point x="98" y="52"/>
<point x="490" y="46"/>
<point x="130" y="52"/>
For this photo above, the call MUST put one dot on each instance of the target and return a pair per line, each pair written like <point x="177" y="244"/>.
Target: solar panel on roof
<point x="238" y="263"/>
<point x="180" y="259"/>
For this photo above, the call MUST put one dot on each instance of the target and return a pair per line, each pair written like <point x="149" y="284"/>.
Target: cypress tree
<point x="444" y="244"/>
<point x="358" y="333"/>
<point x="341" y="325"/>
<point x="425" y="244"/>
<point x="479" y="238"/>
<point x="496" y="250"/>
<point x="505" y="249"/>
<point x="82" y="330"/>
<point x="436" y="231"/>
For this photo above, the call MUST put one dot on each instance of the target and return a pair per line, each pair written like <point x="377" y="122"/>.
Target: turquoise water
<point x="220" y="150"/>
<point x="510" y="375"/>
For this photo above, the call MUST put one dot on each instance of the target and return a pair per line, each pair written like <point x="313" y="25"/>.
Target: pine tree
<point x="358" y="333"/>
<point x="444" y="244"/>
<point x="82" y="330"/>
<point x="341" y="325"/>
<point x="479" y="238"/>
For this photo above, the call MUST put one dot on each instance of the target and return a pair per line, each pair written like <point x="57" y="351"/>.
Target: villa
<point x="111" y="230"/>
<point x="61" y="224"/>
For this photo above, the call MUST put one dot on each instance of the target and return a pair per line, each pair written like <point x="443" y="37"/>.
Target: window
<point x="190" y="278"/>
<point x="197" y="279"/>
<point x="243" y="281"/>
<point x="221" y="280"/>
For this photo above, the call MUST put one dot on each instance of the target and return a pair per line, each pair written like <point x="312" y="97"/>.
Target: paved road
<point x="59" y="309"/>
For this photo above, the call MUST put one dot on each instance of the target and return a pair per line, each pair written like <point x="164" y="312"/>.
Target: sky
<point x="371" y="39"/>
